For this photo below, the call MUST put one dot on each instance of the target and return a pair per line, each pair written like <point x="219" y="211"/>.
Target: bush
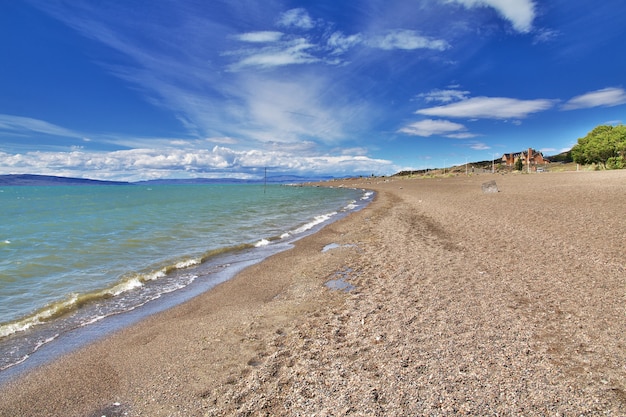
<point x="617" y="162"/>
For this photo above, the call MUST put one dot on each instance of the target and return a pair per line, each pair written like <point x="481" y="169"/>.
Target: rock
<point x="490" y="187"/>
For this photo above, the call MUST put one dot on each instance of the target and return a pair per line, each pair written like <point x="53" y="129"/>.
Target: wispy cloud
<point x="430" y="127"/>
<point x="444" y="96"/>
<point x="545" y="35"/>
<point x="260" y="37"/>
<point x="281" y="49"/>
<point x="340" y="43"/>
<point x="521" y="13"/>
<point x="217" y="91"/>
<point x="407" y="40"/>
<point x="479" y="146"/>
<point x="489" y="108"/>
<point x="296" y="18"/>
<point x="606" y="97"/>
<point x="295" y="51"/>
<point x="457" y="104"/>
<point x="18" y="125"/>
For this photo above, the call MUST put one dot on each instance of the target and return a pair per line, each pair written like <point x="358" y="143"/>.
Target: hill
<point x="47" y="180"/>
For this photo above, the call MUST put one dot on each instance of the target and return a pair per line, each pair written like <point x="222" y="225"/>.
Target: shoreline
<point x="50" y="343"/>
<point x="463" y="302"/>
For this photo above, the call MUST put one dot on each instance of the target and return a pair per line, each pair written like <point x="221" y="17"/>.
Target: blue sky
<point x="139" y="89"/>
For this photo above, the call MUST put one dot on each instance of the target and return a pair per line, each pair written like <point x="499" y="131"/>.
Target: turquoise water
<point x="73" y="255"/>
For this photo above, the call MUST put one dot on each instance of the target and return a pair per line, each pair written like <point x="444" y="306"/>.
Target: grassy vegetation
<point x="485" y="167"/>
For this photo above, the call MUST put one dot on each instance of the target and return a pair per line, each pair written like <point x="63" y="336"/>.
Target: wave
<point x="262" y="242"/>
<point x="134" y="281"/>
<point x="136" y="289"/>
<point x="316" y="220"/>
<point x="125" y="285"/>
<point x="23" y="358"/>
<point x="49" y="312"/>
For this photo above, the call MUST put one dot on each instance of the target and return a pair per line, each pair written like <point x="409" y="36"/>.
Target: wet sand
<point x="511" y="303"/>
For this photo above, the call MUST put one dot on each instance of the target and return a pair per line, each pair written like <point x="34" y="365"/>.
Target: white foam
<point x="285" y="235"/>
<point x="187" y="263"/>
<point x="20" y="326"/>
<point x="316" y="220"/>
<point x="350" y="206"/>
<point x="262" y="242"/>
<point x="93" y="320"/>
<point x="156" y="275"/>
<point x="125" y="286"/>
<point x="22" y="359"/>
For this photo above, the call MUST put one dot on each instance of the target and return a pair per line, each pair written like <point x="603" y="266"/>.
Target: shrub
<point x="617" y="162"/>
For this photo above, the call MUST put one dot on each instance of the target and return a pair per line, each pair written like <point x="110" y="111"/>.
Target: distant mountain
<point x="46" y="180"/>
<point x="279" y="179"/>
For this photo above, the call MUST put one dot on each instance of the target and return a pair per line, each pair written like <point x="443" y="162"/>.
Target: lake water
<point x="73" y="256"/>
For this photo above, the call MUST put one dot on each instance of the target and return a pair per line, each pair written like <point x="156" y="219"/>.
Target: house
<point x="531" y="156"/>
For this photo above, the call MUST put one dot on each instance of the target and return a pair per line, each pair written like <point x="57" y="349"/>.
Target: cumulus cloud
<point x="489" y="108"/>
<point x="431" y="127"/>
<point x="606" y="97"/>
<point x="141" y="164"/>
<point x="521" y="13"/>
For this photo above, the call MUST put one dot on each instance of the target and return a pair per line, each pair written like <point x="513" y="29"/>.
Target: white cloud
<point x="489" y="108"/>
<point x="445" y="96"/>
<point x="293" y="110"/>
<point x="285" y="53"/>
<point x="298" y="18"/>
<point x="545" y="35"/>
<point x="141" y="164"/>
<point x="339" y="43"/>
<point x="290" y="50"/>
<point x="479" y="146"/>
<point x="520" y="13"/>
<point x="17" y="124"/>
<point x="407" y="40"/>
<point x="462" y="135"/>
<point x="431" y="127"/>
<point x="222" y="140"/>
<point x="606" y="97"/>
<point x="260" y="37"/>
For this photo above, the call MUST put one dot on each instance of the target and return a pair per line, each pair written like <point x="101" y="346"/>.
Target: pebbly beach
<point x="436" y="299"/>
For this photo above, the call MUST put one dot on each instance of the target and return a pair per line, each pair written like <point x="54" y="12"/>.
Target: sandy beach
<point x="461" y="303"/>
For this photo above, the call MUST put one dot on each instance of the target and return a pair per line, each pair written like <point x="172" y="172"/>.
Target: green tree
<point x="603" y="144"/>
<point x="519" y="165"/>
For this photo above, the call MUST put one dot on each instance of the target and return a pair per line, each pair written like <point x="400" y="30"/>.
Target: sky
<point x="146" y="89"/>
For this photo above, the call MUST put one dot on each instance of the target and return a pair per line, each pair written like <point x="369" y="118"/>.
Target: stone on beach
<point x="490" y="187"/>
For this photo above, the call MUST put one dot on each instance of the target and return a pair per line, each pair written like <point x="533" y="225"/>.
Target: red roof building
<point x="532" y="157"/>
